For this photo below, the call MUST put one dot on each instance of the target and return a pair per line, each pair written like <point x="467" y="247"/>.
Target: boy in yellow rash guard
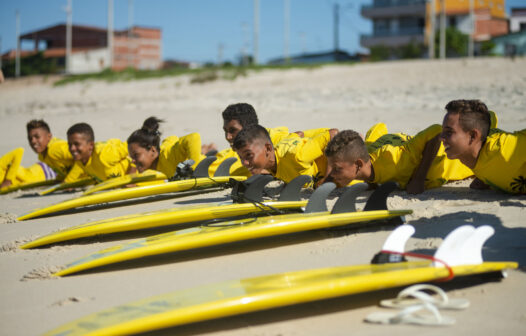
<point x="433" y="171"/>
<point x="51" y="151"/>
<point x="497" y="158"/>
<point x="101" y="160"/>
<point x="147" y="153"/>
<point x="291" y="157"/>
<point x="349" y="159"/>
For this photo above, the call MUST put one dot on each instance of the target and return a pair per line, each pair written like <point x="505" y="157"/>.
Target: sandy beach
<point x="406" y="95"/>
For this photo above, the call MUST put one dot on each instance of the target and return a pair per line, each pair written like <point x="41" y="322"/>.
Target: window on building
<point x="522" y="26"/>
<point x="452" y="21"/>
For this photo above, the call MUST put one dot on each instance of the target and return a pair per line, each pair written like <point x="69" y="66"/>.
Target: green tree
<point x="456" y="43"/>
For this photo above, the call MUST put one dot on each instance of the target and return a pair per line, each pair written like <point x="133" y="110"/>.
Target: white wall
<point x="89" y="61"/>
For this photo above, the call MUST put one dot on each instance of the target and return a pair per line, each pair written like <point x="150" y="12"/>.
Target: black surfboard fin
<point x="224" y="167"/>
<point x="318" y="199"/>
<point x="250" y="190"/>
<point x="378" y="199"/>
<point x="202" y="167"/>
<point x="347" y="201"/>
<point x="292" y="190"/>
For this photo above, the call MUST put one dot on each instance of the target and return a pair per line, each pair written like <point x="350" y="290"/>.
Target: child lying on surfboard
<point x="238" y="116"/>
<point x="291" y="157"/>
<point x="99" y="160"/>
<point x="147" y="151"/>
<point x="497" y="158"/>
<point x="349" y="159"/>
<point x="55" y="160"/>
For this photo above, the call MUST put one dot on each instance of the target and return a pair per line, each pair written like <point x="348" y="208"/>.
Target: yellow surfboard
<point x="121" y="181"/>
<point x="181" y="215"/>
<point x="261" y="293"/>
<point x="223" y="233"/>
<point x="25" y="186"/>
<point x="129" y="193"/>
<point x="249" y="202"/>
<point x="70" y="185"/>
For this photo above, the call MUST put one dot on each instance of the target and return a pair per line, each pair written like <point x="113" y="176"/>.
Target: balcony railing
<point x="394" y="3"/>
<point x="399" y="32"/>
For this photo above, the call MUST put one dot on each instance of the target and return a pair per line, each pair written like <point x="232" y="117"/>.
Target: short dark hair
<point x="242" y="112"/>
<point x="37" y="123"/>
<point x="347" y="145"/>
<point x="473" y="114"/>
<point x="148" y="135"/>
<point x="82" y="128"/>
<point x="249" y="135"/>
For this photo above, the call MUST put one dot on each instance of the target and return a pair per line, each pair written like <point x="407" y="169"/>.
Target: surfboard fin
<point x="378" y="199"/>
<point x="347" y="201"/>
<point x="292" y="190"/>
<point x="224" y="167"/>
<point x="318" y="199"/>
<point x="463" y="246"/>
<point x="202" y="167"/>
<point x="394" y="243"/>
<point x="250" y="190"/>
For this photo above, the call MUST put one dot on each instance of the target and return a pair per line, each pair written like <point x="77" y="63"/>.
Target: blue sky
<point x="193" y="29"/>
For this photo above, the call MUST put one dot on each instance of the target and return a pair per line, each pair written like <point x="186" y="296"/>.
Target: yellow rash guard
<point x="175" y="150"/>
<point x="58" y="157"/>
<point x="502" y="161"/>
<point x="10" y="169"/>
<point x="109" y="159"/>
<point x="237" y="169"/>
<point x="301" y="156"/>
<point x="398" y="162"/>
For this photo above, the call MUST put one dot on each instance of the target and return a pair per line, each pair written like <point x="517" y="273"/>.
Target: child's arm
<point x="76" y="173"/>
<point x="191" y="145"/>
<point x="417" y="181"/>
<point x="9" y="164"/>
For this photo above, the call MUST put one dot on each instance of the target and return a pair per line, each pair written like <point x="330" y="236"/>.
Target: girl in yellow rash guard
<point x="101" y="160"/>
<point x="147" y="152"/>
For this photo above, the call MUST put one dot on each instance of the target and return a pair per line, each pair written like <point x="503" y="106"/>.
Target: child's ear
<point x="268" y="148"/>
<point x="474" y="135"/>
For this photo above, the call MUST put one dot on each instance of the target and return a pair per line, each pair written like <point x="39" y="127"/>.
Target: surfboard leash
<point x="379" y="260"/>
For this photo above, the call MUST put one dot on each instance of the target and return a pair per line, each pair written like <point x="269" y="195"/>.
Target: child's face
<point x="456" y="141"/>
<point x="231" y="128"/>
<point x="142" y="157"/>
<point x="80" y="147"/>
<point x="342" y="172"/>
<point x="38" y="139"/>
<point x="256" y="157"/>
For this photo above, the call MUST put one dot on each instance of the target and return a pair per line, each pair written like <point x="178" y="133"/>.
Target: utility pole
<point x="244" y="48"/>
<point x="130" y="34"/>
<point x="286" y="30"/>
<point x="336" y="26"/>
<point x="17" y="55"/>
<point x="220" y="48"/>
<point x="432" y="23"/>
<point x="256" y="32"/>
<point x="442" y="29"/>
<point x="110" y="32"/>
<point x="471" y="45"/>
<point x="69" y="22"/>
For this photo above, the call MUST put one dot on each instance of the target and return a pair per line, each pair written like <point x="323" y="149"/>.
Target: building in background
<point x="138" y="48"/>
<point x="397" y="23"/>
<point x="518" y="20"/>
<point x="513" y="44"/>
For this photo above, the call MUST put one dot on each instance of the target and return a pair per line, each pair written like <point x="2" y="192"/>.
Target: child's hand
<point x="6" y="183"/>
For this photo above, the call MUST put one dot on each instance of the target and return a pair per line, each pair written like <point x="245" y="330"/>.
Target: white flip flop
<point x="416" y="294"/>
<point x="422" y="314"/>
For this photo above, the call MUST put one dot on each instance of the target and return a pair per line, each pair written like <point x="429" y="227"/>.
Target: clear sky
<point x="193" y="30"/>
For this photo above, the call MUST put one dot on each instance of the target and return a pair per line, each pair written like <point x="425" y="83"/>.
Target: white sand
<point x="407" y="96"/>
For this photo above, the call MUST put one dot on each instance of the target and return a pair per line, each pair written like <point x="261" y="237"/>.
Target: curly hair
<point x="249" y="135"/>
<point x="82" y="128"/>
<point x="32" y="124"/>
<point x="473" y="113"/>
<point x="242" y="112"/>
<point x="347" y="145"/>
